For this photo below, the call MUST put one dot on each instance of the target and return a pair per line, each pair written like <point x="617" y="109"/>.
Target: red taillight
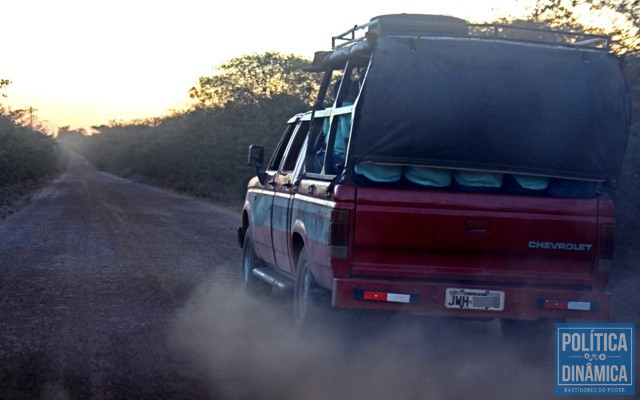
<point x="607" y="241"/>
<point x="339" y="233"/>
<point x="389" y="297"/>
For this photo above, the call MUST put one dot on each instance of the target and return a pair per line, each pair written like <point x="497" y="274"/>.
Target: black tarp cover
<point x="492" y="105"/>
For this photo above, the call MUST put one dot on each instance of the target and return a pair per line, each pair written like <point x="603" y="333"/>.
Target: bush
<point x="25" y="154"/>
<point x="202" y="151"/>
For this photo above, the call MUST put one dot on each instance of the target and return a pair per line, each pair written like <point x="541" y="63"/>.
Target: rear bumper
<point x="428" y="298"/>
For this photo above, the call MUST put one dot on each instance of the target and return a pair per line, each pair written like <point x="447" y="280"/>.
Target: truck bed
<point x="474" y="237"/>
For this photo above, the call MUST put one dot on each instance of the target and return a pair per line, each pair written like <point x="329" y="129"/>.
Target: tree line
<point x="203" y="150"/>
<point x="26" y="153"/>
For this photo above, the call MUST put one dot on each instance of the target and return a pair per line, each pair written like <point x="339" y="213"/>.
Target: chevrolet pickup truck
<point x="446" y="169"/>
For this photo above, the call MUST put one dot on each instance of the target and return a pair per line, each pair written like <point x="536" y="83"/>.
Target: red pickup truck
<point x="446" y="169"/>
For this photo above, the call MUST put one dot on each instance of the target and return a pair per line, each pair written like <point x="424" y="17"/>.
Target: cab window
<point x="294" y="147"/>
<point x="282" y="146"/>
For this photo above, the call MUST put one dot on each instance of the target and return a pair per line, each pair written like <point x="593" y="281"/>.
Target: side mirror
<point x="256" y="156"/>
<point x="256" y="159"/>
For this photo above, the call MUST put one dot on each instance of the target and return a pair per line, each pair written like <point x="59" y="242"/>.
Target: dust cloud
<point x="249" y="349"/>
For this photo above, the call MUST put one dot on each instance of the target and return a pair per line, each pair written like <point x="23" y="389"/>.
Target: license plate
<point x="474" y="299"/>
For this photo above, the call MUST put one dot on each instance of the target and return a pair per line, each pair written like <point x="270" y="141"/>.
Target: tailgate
<point x="474" y="237"/>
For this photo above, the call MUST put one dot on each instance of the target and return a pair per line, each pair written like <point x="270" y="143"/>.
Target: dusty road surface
<point x="114" y="290"/>
<point x="90" y="276"/>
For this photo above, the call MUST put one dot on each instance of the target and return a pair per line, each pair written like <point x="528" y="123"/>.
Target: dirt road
<point x="114" y="290"/>
<point x="90" y="275"/>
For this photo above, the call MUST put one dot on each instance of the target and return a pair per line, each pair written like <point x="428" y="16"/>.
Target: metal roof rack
<point x="438" y="25"/>
<point x="346" y="41"/>
<point x="540" y="35"/>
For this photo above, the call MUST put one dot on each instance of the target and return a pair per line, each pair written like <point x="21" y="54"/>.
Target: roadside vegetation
<point x="28" y="157"/>
<point x="26" y="154"/>
<point x="202" y="150"/>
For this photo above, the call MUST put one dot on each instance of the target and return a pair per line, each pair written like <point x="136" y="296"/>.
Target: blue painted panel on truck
<point x="283" y="184"/>
<point x="280" y="230"/>
<point x="260" y="204"/>
<point x="314" y="214"/>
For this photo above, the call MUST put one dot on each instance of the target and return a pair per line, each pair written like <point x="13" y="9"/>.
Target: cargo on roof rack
<point x="360" y="40"/>
<point x="440" y="25"/>
<point x="409" y="24"/>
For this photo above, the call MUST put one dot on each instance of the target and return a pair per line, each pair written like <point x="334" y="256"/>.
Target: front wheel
<point x="250" y="283"/>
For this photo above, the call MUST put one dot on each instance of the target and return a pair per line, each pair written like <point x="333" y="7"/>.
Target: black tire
<point x="528" y="335"/>
<point x="307" y="295"/>
<point x="251" y="284"/>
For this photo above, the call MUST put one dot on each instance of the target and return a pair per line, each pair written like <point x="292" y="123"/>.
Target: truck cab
<point x="446" y="169"/>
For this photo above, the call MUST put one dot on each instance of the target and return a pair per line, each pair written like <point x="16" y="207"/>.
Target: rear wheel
<point x="307" y="295"/>
<point x="250" y="283"/>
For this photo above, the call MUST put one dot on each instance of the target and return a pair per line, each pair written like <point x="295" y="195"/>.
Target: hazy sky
<point x="83" y="63"/>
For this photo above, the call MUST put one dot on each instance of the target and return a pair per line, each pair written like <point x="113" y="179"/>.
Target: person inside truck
<point x="343" y="131"/>
<point x="320" y="145"/>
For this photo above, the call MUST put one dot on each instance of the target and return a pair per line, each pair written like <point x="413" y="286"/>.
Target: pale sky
<point x="84" y="63"/>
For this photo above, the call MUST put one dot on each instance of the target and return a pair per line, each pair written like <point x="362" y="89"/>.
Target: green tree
<point x="622" y="19"/>
<point x="250" y="78"/>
